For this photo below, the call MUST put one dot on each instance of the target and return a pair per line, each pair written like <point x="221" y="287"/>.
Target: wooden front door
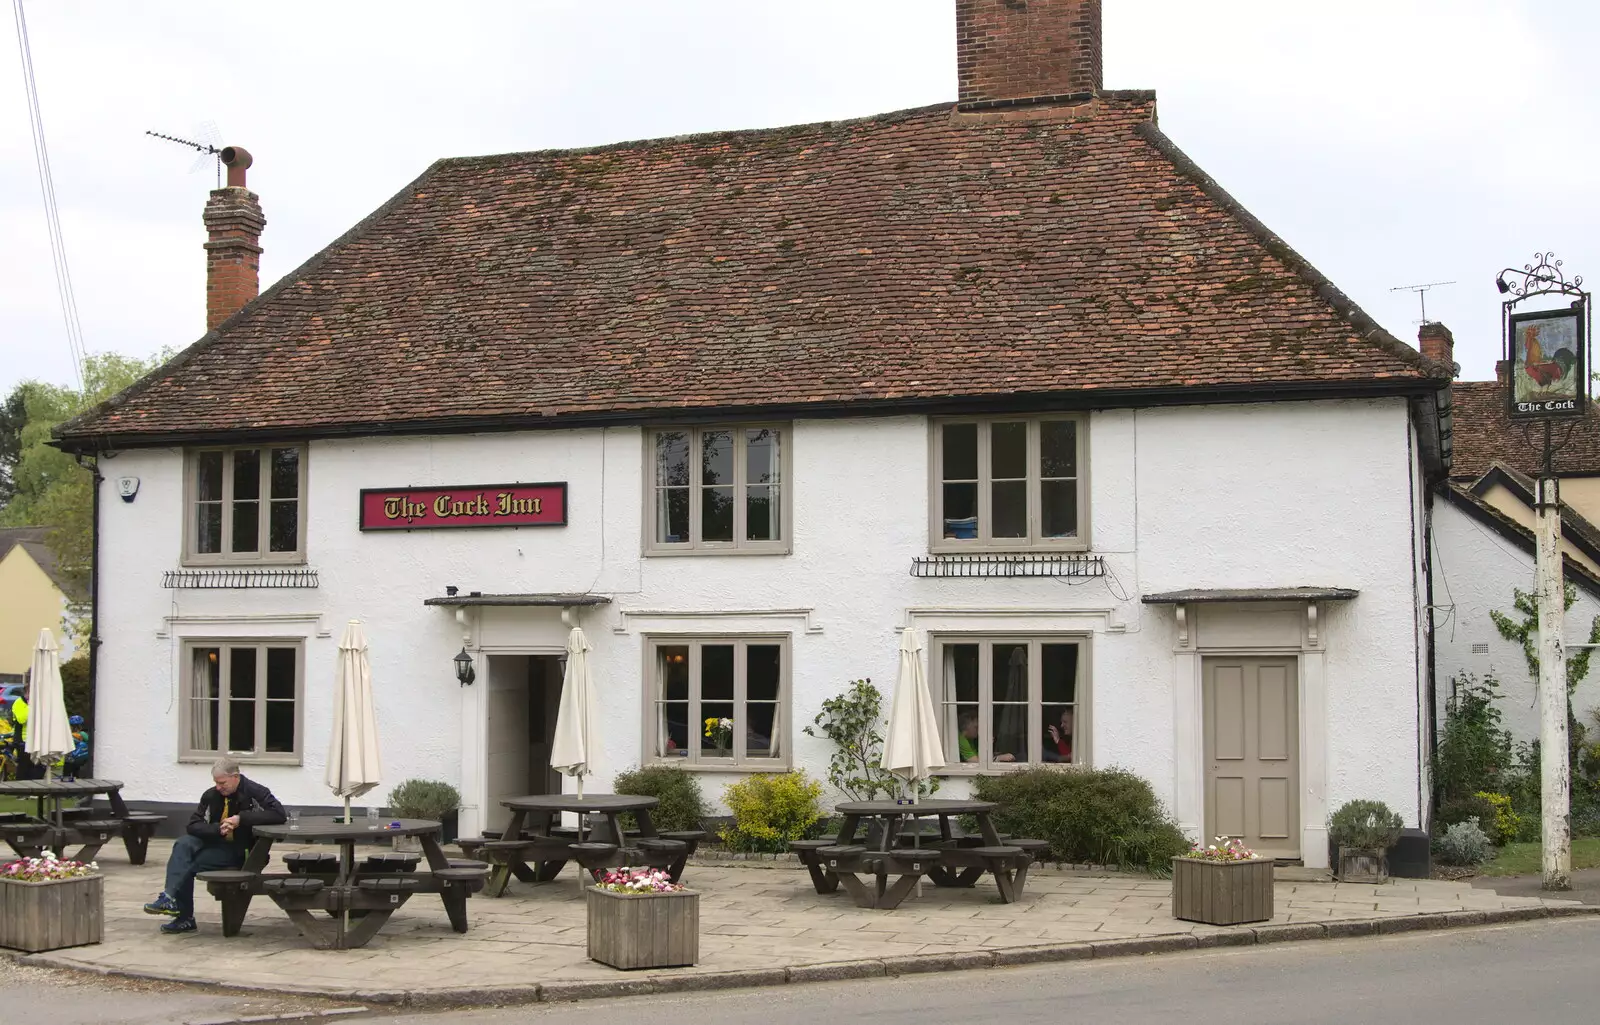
<point x="1252" y="752"/>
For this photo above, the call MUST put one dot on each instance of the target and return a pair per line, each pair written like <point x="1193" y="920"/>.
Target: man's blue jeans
<point x="191" y="856"/>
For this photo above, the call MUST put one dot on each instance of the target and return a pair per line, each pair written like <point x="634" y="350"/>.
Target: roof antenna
<point x="1422" y="294"/>
<point x="210" y="150"/>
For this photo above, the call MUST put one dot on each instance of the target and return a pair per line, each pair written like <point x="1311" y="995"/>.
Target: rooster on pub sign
<point x="1547" y="364"/>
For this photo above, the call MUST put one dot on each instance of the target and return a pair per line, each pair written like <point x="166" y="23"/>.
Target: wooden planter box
<point x="48" y="915"/>
<point x="1222" y="892"/>
<point x="644" y="930"/>
<point x="1360" y="865"/>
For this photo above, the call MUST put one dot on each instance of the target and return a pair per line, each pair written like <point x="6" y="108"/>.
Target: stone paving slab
<point x="757" y="926"/>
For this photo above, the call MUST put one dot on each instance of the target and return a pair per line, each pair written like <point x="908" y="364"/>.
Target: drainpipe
<point x="1433" y="659"/>
<point x="93" y="466"/>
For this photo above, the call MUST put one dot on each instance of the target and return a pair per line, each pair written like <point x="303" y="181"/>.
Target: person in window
<point x="968" y="739"/>
<point x="1058" y="744"/>
<point x="218" y="838"/>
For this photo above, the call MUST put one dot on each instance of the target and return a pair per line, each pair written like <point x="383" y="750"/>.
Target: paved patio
<point x="759" y="925"/>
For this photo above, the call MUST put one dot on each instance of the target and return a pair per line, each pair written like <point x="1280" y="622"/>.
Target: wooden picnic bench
<point x="60" y="826"/>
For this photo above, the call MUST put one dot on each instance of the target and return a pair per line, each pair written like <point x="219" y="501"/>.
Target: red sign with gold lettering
<point x="468" y="505"/>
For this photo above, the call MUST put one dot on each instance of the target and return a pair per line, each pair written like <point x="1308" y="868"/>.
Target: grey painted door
<point x="1252" y="752"/>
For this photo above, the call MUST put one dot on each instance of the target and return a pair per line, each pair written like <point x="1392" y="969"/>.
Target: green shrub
<point x="852" y="721"/>
<point x="1365" y="825"/>
<point x="1463" y="844"/>
<point x="1101" y="816"/>
<point x="1503" y="824"/>
<point x="424" y="799"/>
<point x="1474" y="753"/>
<point x="1463" y="809"/>
<point x="678" y="792"/>
<point x="769" y="810"/>
<point x="75" y="686"/>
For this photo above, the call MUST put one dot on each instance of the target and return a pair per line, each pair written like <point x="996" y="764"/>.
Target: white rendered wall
<point x="1474" y="572"/>
<point x="1272" y="495"/>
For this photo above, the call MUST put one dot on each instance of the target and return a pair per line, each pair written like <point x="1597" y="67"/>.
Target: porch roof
<point x="1216" y="594"/>
<point x="557" y="600"/>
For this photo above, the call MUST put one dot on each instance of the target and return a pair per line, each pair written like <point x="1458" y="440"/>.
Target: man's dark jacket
<point x="252" y="802"/>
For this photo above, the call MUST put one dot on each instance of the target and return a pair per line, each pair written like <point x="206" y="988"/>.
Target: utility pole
<point x="1547" y="353"/>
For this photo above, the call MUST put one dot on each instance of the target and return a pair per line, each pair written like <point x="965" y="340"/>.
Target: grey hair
<point x="224" y="767"/>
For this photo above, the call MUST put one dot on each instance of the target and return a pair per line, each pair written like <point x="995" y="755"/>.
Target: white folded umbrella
<point x="572" y="748"/>
<point x="354" y="763"/>
<point x="911" y="747"/>
<point x="49" y="735"/>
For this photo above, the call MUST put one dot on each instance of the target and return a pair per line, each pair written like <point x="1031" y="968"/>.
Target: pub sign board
<point x="466" y="505"/>
<point x="1548" y="369"/>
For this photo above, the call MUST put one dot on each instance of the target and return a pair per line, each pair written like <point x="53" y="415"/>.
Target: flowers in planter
<point x="720" y="731"/>
<point x="45" y="868"/>
<point x="638" y="880"/>
<point x="1225" y="849"/>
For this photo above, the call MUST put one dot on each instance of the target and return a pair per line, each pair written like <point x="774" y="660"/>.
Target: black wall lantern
<point x="464" y="670"/>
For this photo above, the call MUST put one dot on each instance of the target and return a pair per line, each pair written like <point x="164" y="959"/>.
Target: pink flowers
<point x="638" y="880"/>
<point x="45" y="868"/>
<point x="1231" y="849"/>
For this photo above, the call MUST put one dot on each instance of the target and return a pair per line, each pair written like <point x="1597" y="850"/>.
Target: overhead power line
<point x="47" y="187"/>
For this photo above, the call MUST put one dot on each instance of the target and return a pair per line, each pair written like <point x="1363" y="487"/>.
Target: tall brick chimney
<point x="1019" y="50"/>
<point x="1438" y="344"/>
<point x="233" y="251"/>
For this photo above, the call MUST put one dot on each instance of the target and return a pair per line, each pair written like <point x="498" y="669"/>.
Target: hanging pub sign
<point x="1548" y="370"/>
<point x="468" y="505"/>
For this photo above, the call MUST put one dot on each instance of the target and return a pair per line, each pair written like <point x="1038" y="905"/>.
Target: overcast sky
<point x="1390" y="142"/>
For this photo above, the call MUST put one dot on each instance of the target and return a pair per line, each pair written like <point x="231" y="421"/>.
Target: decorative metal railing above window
<point x="1008" y="566"/>
<point x="213" y="579"/>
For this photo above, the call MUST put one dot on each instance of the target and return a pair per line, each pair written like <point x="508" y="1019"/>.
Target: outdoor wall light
<point x="1500" y="283"/>
<point x="464" y="671"/>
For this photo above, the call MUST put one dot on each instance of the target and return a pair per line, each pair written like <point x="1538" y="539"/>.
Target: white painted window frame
<point x="694" y="759"/>
<point x="739" y="545"/>
<point x="940" y="545"/>
<point x="940" y="687"/>
<point x="191" y="498"/>
<point x="187" y="752"/>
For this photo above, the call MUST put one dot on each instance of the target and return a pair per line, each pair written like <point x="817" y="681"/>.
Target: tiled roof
<point x="1484" y="434"/>
<point x="896" y="259"/>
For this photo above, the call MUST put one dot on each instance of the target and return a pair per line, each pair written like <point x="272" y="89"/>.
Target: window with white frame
<point x="717" y="489"/>
<point x="1008" y="700"/>
<point x="243" y="698"/>
<point x="246" y="505"/>
<point x="719" y="701"/>
<point x="1009" y="483"/>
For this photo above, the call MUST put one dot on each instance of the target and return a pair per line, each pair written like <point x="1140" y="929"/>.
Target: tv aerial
<point x="1422" y="294"/>
<point x="210" y="151"/>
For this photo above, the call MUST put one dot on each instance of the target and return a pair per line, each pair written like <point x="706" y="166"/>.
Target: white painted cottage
<point x="1009" y="370"/>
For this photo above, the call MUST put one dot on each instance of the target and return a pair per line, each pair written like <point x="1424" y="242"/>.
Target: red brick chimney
<point x="1438" y="344"/>
<point x="233" y="252"/>
<point x="1019" y="50"/>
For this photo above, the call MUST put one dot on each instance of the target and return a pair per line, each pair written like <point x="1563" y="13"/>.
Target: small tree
<point x="852" y="721"/>
<point x="1474" y="752"/>
<point x="1526" y="633"/>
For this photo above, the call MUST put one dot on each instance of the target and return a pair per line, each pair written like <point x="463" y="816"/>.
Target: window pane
<point x="285" y="473"/>
<point x="716" y="731"/>
<point x="672" y="459"/>
<point x="1010" y="733"/>
<point x="1010" y="665"/>
<point x="762" y="665"/>
<point x="961" y="511"/>
<point x="284" y="530"/>
<point x="674" y="667"/>
<point x="672" y="738"/>
<point x="1058" y="508"/>
<point x="208" y="528"/>
<point x="1008" y="508"/>
<point x="761" y="456"/>
<point x="241" y="703"/>
<point x="716" y="673"/>
<point x="1008" y="451"/>
<point x="672" y="727"/>
<point x="961" y="673"/>
<point x="242" y="673"/>
<point x="761" y="513"/>
<point x="205" y="693"/>
<point x="960" y="451"/>
<point x="246" y="526"/>
<point x="1059" y="686"/>
<point x="1058" y="448"/>
<point x="247" y="474"/>
<point x="716" y="514"/>
<point x="208" y="477"/>
<point x="716" y="457"/>
<point x="280" y="674"/>
<point x="761" y="720"/>
<point x="280" y="726"/>
<point x="672" y="515"/>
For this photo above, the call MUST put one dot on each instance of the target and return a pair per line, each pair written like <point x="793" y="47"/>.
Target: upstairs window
<point x="717" y="489"/>
<point x="246" y="505"/>
<point x="1009" y="484"/>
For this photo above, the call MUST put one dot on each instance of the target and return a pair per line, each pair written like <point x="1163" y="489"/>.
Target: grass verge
<point x="1522" y="859"/>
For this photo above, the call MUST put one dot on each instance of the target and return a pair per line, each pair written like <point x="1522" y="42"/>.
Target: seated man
<point x="219" y="835"/>
<point x="1058" y="742"/>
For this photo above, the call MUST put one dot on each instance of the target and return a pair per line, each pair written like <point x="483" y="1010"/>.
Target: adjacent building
<point x="33" y="596"/>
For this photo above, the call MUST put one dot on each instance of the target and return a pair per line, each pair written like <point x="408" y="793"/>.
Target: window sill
<point x="676" y="553"/>
<point x="946" y="547"/>
<point x="768" y="765"/>
<point x="979" y="769"/>
<point x="221" y="562"/>
<point x="242" y="759"/>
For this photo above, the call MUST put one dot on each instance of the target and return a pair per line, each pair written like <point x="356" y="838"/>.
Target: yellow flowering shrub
<point x="770" y="809"/>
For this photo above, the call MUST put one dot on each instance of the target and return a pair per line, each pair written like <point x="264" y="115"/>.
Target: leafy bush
<point x="1463" y="844"/>
<point x="1365" y="825"/>
<point x="1463" y="809"/>
<point x="75" y="685"/>
<point x="678" y="792"/>
<point x="1503" y="824"/>
<point x="1474" y="753"/>
<point x="852" y="721"/>
<point x="1102" y="816"/>
<point x="424" y="799"/>
<point x="769" y="810"/>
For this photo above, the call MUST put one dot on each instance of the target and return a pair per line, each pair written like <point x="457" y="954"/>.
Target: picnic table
<point x="535" y="848"/>
<point x="952" y="858"/>
<point x="357" y="898"/>
<point x="58" y="827"/>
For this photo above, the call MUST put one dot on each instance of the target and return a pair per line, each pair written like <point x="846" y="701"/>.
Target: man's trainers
<point x="184" y="923"/>
<point x="162" y="905"/>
